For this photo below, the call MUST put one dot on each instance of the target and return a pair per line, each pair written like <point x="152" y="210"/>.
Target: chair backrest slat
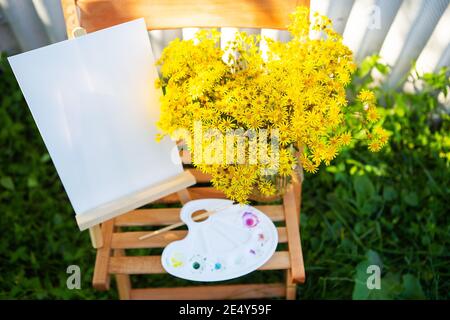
<point x="171" y="14"/>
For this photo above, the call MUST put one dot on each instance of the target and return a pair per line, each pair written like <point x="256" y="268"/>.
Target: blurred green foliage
<point x="390" y="209"/>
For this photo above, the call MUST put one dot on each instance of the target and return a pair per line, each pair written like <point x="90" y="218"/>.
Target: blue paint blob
<point x="218" y="266"/>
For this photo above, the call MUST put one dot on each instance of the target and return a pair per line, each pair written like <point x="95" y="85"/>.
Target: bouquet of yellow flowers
<point x="227" y="104"/>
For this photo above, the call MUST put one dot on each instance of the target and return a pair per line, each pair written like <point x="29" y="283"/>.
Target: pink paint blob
<point x="250" y="219"/>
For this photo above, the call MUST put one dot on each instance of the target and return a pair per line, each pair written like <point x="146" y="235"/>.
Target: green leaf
<point x="365" y="191"/>
<point x="32" y="182"/>
<point x="363" y="186"/>
<point x="411" y="198"/>
<point x="360" y="290"/>
<point x="7" y="183"/>
<point x="412" y="288"/>
<point x="374" y="258"/>
<point x="390" y="286"/>
<point x="45" y="157"/>
<point x="389" y="193"/>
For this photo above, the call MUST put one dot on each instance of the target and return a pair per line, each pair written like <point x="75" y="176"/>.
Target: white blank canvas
<point x="94" y="101"/>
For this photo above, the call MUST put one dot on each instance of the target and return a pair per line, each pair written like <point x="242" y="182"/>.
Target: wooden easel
<point x="110" y="239"/>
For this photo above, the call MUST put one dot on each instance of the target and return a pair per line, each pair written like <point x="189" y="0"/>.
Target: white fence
<point x="401" y="31"/>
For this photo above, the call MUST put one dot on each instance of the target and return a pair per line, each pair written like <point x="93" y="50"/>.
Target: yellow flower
<point x="366" y="96"/>
<point x="329" y="154"/>
<point x="372" y="114"/>
<point x="266" y="187"/>
<point x="308" y="165"/>
<point x="345" y="138"/>
<point x="375" y="146"/>
<point x="382" y="134"/>
<point x="299" y="89"/>
<point x="226" y="124"/>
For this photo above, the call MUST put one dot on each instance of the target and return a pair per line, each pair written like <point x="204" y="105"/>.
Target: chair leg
<point x="122" y="280"/>
<point x="293" y="234"/>
<point x="291" y="287"/>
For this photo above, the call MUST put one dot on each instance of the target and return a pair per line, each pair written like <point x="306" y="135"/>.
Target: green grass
<point x="390" y="208"/>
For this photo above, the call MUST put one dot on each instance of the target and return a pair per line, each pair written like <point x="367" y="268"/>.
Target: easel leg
<point x="100" y="279"/>
<point x="96" y="236"/>
<point x="184" y="196"/>
<point x="122" y="280"/>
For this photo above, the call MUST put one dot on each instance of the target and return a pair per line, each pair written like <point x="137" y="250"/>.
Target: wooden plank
<point x="169" y="216"/>
<point x="183" y="149"/>
<point x="149" y="217"/>
<point x="293" y="233"/>
<point x="170" y="14"/>
<point x="123" y="280"/>
<point x="196" y="193"/>
<point x="70" y="13"/>
<point x="234" y="291"/>
<point x="297" y="189"/>
<point x="101" y="279"/>
<point x="200" y="177"/>
<point x="152" y="264"/>
<point x="130" y="240"/>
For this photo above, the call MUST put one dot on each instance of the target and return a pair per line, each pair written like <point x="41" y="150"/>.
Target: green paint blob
<point x="196" y="265"/>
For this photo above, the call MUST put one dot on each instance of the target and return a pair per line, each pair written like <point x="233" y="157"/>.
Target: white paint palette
<point x="231" y="243"/>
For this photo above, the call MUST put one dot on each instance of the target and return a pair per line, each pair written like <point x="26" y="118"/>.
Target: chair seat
<point x="114" y="257"/>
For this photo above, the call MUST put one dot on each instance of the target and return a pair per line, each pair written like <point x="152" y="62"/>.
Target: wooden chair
<point x="110" y="240"/>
